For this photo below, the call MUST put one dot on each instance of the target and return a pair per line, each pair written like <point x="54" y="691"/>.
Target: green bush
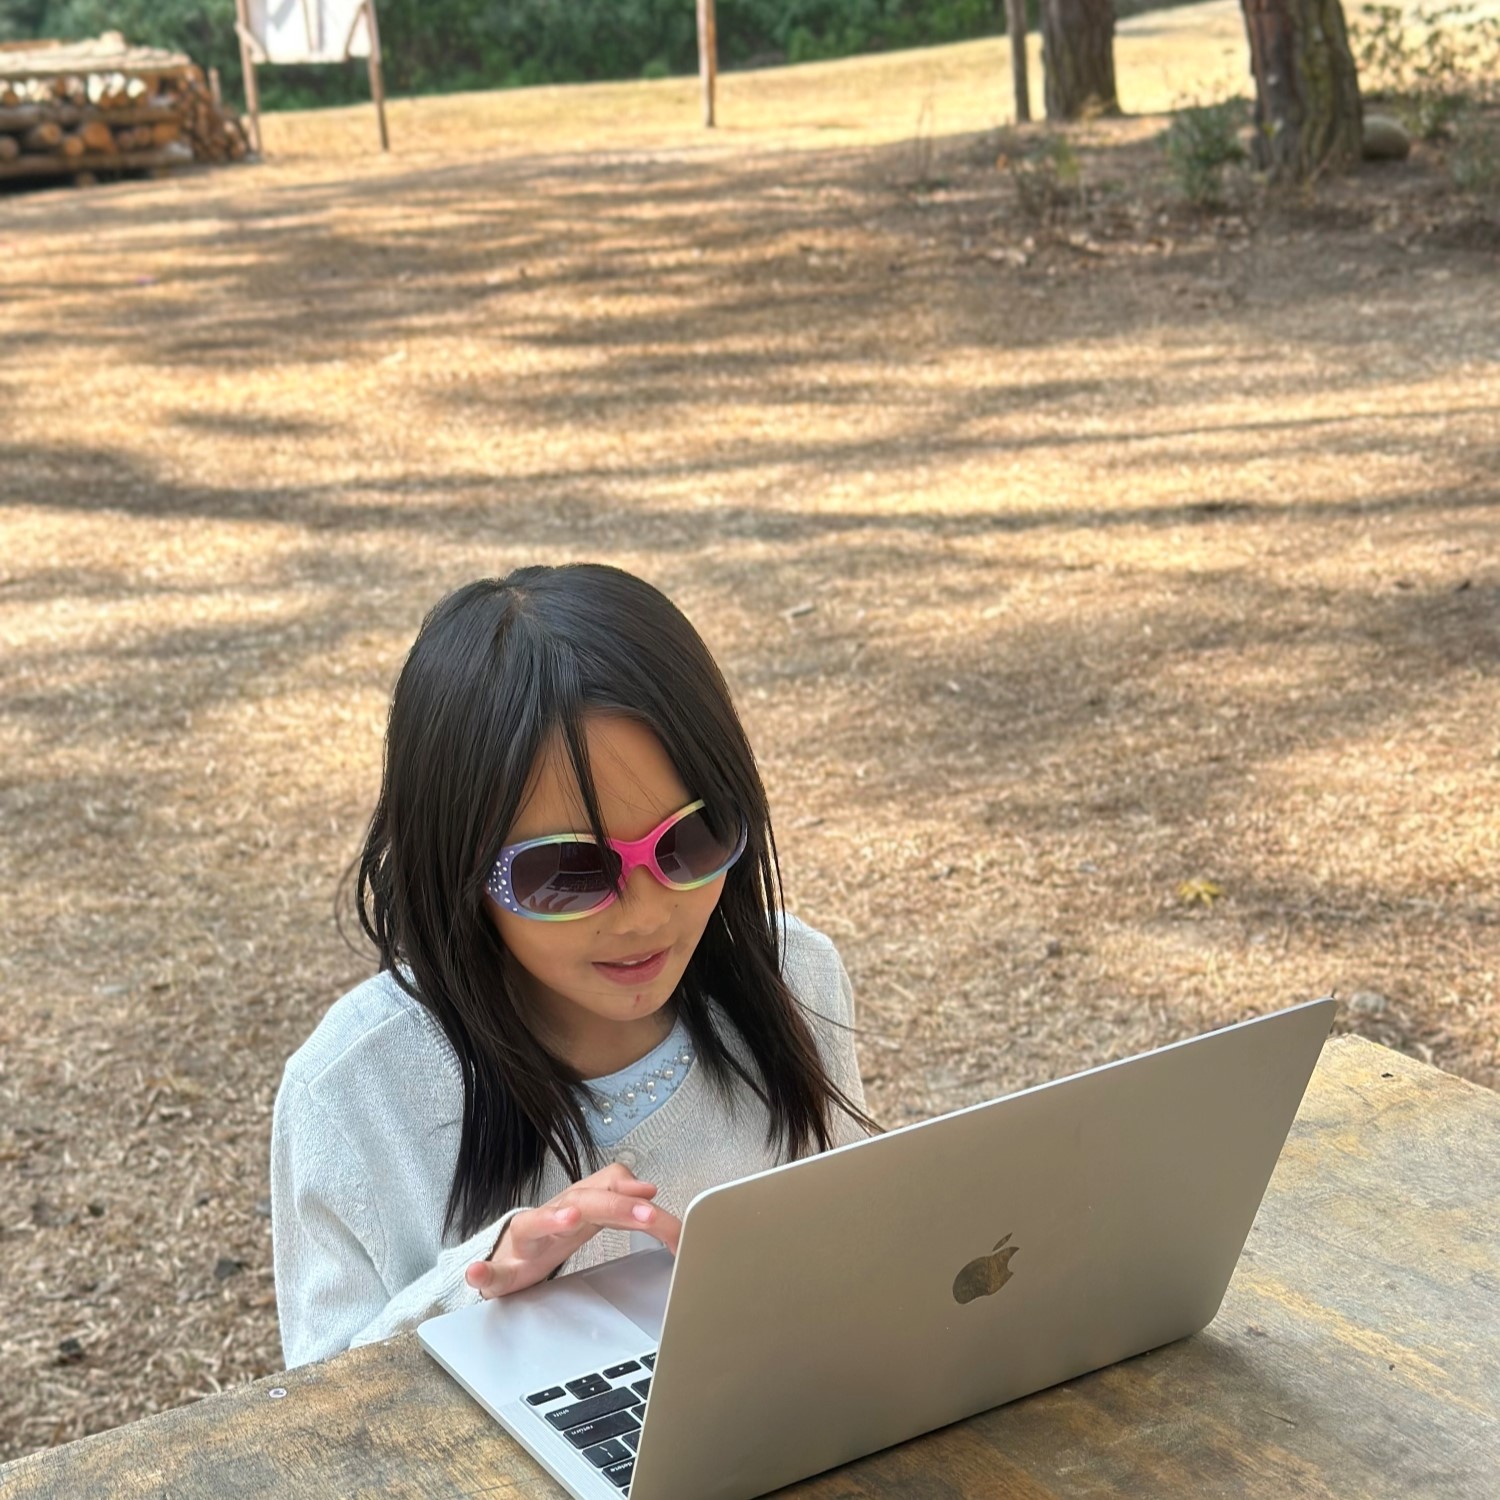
<point x="1200" y="142"/>
<point x="1047" y="175"/>
<point x="1475" y="163"/>
<point x="1431" y="62"/>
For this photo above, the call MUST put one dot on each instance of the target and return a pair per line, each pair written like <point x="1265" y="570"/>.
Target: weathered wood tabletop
<point x="1357" y="1354"/>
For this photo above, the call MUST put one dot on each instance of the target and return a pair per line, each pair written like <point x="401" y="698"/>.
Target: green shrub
<point x="1475" y="163"/>
<point x="1430" y="62"/>
<point x="1201" y="141"/>
<point x="1048" y="178"/>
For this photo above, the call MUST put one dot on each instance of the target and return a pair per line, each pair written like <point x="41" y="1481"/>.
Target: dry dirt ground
<point x="1074" y="557"/>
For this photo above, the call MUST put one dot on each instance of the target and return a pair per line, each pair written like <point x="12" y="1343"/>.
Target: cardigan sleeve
<point x="328" y="1242"/>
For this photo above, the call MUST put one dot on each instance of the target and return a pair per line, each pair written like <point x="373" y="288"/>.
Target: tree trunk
<point x="1015" y="28"/>
<point x="1307" y="110"/>
<point x="1078" y="58"/>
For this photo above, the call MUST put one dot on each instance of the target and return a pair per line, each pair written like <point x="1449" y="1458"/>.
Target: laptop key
<point x="611" y="1426"/>
<point x="620" y="1474"/>
<point x="541" y="1398"/>
<point x="586" y="1411"/>
<point x="610" y="1451"/>
<point x="615" y="1371"/>
<point x="642" y="1388"/>
<point x="649" y="1360"/>
<point x="632" y="1440"/>
<point x="588" y="1385"/>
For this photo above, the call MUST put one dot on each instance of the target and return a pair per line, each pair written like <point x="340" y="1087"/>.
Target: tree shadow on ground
<point x="530" y="506"/>
<point x="731" y="251"/>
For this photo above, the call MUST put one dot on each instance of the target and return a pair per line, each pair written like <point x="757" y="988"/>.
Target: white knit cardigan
<point x="364" y="1140"/>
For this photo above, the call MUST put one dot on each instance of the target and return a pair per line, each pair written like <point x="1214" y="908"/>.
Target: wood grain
<point x="1357" y="1354"/>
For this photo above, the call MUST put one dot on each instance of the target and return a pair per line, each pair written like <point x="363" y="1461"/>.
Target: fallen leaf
<point x="1195" y="892"/>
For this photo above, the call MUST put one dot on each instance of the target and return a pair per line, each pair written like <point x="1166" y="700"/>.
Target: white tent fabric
<point x="310" y="31"/>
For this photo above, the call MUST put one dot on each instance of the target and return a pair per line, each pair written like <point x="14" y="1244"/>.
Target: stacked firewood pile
<point x="86" y="108"/>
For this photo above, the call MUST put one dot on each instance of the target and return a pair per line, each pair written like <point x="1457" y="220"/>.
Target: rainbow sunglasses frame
<point x="632" y="853"/>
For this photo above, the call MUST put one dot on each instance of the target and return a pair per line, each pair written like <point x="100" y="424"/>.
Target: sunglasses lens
<point x="691" y="853"/>
<point x="555" y="880"/>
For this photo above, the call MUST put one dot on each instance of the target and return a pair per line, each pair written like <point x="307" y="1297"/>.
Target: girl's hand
<point x="536" y="1242"/>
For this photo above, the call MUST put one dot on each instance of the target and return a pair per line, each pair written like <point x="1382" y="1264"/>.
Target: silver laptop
<point x="833" y="1306"/>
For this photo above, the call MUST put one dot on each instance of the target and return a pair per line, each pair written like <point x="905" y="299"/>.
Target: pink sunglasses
<point x="562" y="877"/>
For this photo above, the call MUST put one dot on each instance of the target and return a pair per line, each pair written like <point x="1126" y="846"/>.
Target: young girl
<point x="590" y="1005"/>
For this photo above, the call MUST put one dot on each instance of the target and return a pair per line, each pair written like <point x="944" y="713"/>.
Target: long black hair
<point x="499" y="671"/>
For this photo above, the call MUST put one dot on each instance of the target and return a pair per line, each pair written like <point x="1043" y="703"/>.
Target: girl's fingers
<point x="487" y="1278"/>
<point x="619" y="1178"/>
<point x="582" y="1213"/>
<point x="666" y="1227"/>
<point x="634" y="1188"/>
<point x="539" y="1240"/>
<point x="602" y="1208"/>
<point x="530" y="1232"/>
<point x="605" y="1210"/>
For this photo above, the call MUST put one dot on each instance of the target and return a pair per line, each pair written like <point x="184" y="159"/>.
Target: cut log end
<point x="44" y="137"/>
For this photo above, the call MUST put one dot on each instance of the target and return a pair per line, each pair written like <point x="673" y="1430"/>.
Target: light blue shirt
<point x="615" y="1105"/>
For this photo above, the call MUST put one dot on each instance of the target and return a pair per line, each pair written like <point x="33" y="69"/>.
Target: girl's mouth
<point x="641" y="972"/>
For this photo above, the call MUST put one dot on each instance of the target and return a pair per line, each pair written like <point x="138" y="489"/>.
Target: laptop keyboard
<point x="601" y="1414"/>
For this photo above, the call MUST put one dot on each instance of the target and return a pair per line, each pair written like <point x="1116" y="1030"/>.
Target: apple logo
<point x="985" y="1276"/>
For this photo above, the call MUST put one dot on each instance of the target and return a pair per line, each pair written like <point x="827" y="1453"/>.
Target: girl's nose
<point x="644" y="901"/>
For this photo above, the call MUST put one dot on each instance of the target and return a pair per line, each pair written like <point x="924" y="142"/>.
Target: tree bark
<point x="1078" y="58"/>
<point x="1307" y="109"/>
<point x="1015" y="28"/>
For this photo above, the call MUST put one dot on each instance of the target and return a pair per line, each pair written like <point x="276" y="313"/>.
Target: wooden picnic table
<point x="1357" y="1354"/>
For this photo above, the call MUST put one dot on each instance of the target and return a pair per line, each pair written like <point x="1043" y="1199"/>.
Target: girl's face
<point x="599" y="1016"/>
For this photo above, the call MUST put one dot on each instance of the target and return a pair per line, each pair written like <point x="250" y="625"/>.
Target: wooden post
<point x="377" y="78"/>
<point x="1015" y="26"/>
<point x="247" y="63"/>
<point x="708" y="57"/>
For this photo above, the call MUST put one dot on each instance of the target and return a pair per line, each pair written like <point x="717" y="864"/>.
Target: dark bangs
<point x="500" y="670"/>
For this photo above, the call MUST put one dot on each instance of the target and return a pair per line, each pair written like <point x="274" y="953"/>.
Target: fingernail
<point x="641" y="1211"/>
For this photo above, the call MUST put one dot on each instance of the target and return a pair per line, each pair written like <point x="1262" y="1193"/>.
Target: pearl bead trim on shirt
<point x="643" y="1093"/>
